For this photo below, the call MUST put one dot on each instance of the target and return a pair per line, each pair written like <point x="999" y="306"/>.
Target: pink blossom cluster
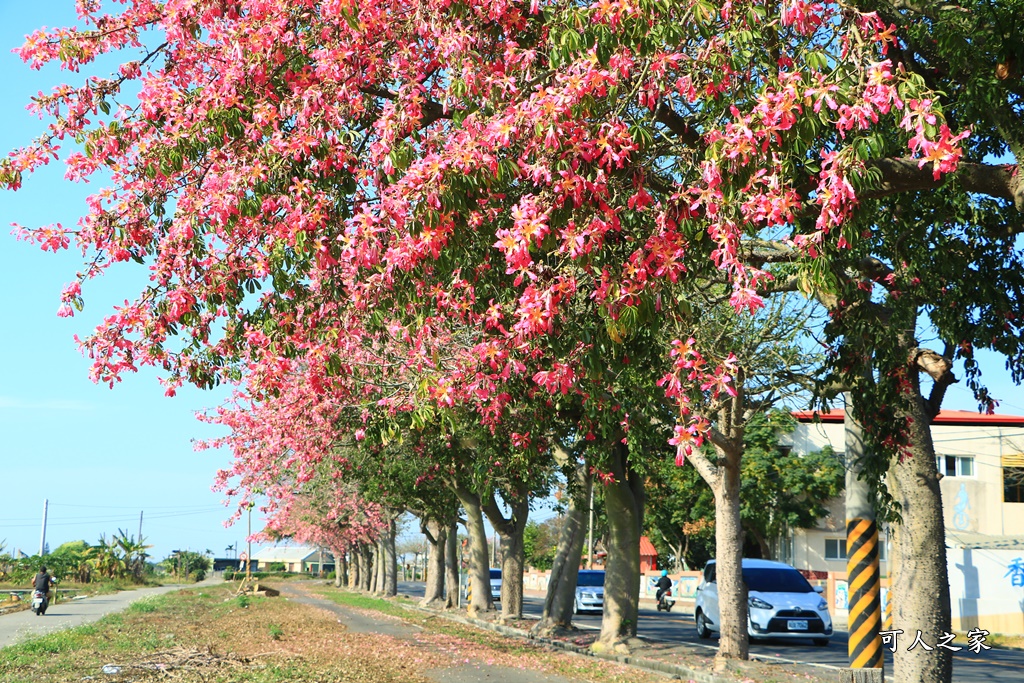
<point x="300" y="177"/>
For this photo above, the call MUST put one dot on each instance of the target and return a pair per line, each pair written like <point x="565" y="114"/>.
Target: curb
<point x="674" y="670"/>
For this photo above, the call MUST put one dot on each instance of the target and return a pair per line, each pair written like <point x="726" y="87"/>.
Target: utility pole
<point x="865" y="641"/>
<point x="590" y="533"/>
<point x="248" y="555"/>
<point x="140" y="526"/>
<point x="42" y="537"/>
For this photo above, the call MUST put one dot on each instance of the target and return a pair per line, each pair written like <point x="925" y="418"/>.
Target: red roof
<point x="647" y="548"/>
<point x="949" y="417"/>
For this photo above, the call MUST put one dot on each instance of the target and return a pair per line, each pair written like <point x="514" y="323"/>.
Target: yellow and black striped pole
<point x="863" y="587"/>
<point x="863" y="578"/>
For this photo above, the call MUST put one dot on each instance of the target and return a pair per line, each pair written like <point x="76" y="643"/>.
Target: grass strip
<point x="207" y="636"/>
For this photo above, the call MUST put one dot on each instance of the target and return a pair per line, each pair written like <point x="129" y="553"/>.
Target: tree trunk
<point x="624" y="506"/>
<point x="732" y="592"/>
<point x="380" y="563"/>
<point x="374" y="567"/>
<point x="390" y="587"/>
<point x="561" y="594"/>
<point x="371" y="566"/>
<point x="340" y="569"/>
<point x="513" y="555"/>
<point x="451" y="567"/>
<point x="920" y="589"/>
<point x="356" y="574"/>
<point x="370" y="573"/>
<point x="479" y="564"/>
<point x="437" y="539"/>
<point x="762" y="544"/>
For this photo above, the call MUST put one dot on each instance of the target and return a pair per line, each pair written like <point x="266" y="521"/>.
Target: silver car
<point x="782" y="604"/>
<point x="495" y="585"/>
<point x="589" y="591"/>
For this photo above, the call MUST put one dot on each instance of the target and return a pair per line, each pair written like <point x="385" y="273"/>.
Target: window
<point x="955" y="465"/>
<point x="775" y="580"/>
<point x="1013" y="484"/>
<point x="883" y="550"/>
<point x="835" y="548"/>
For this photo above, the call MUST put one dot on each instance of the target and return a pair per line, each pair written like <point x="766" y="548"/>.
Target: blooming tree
<point x="541" y="181"/>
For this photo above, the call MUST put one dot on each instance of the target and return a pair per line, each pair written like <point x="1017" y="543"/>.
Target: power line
<point x="118" y="518"/>
<point x="131" y="507"/>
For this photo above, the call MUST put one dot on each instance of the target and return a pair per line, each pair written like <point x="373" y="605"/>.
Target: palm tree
<point x="133" y="553"/>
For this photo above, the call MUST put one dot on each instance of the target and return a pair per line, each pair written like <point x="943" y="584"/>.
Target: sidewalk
<point x="467" y="670"/>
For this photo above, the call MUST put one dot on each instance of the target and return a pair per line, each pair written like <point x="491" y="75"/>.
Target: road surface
<point x="69" y="613"/>
<point x="990" y="666"/>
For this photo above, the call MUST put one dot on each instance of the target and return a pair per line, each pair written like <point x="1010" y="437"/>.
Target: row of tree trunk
<point x="370" y="567"/>
<point x="373" y="567"/>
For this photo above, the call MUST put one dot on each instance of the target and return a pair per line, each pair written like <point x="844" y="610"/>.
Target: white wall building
<point x="981" y="458"/>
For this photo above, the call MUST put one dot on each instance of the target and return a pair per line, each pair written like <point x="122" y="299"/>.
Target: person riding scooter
<point x="41" y="585"/>
<point x="664" y="589"/>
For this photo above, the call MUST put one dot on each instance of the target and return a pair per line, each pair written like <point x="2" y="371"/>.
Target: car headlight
<point x="758" y="603"/>
<point x="823" y="606"/>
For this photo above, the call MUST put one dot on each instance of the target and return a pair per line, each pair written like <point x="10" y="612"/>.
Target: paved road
<point x="991" y="666"/>
<point x="67" y="614"/>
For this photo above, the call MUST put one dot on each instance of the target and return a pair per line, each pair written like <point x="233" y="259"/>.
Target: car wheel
<point x="703" y="631"/>
<point x="820" y="642"/>
<point x="575" y="606"/>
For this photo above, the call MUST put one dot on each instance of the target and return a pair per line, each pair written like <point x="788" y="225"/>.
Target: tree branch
<point x="939" y="368"/>
<point x="903" y="175"/>
<point x="707" y="470"/>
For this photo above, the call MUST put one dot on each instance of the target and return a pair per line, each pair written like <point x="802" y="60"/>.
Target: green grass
<point x="360" y="601"/>
<point x="144" y="606"/>
<point x="50" y="657"/>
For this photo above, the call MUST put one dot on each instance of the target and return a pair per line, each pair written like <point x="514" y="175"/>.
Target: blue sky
<point x="99" y="455"/>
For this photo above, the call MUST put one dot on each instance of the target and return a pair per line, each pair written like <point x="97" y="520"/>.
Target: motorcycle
<point x="665" y="602"/>
<point x="39" y="603"/>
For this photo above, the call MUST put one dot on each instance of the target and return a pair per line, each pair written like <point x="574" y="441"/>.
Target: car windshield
<point x="495" y="573"/>
<point x="590" y="579"/>
<point x="765" y="580"/>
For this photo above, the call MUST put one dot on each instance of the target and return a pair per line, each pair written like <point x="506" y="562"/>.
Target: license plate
<point x="797" y="625"/>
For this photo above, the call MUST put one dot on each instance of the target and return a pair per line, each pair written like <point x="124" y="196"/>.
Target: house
<point x="648" y="555"/>
<point x="298" y="559"/>
<point x="981" y="460"/>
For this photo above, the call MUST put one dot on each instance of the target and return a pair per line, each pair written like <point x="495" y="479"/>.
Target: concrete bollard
<point x="861" y="676"/>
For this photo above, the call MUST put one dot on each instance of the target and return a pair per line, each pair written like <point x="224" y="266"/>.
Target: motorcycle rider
<point x="42" y="583"/>
<point x="664" y="585"/>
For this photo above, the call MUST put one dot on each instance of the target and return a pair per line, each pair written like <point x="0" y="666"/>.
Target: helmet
<point x="664" y="572"/>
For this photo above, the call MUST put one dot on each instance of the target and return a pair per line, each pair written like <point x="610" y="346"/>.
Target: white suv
<point x="782" y="604"/>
